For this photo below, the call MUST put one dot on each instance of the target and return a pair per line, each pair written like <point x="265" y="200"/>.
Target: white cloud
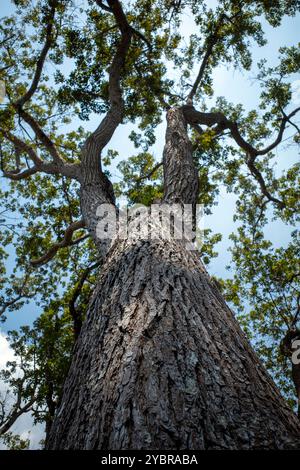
<point x="24" y="425"/>
<point x="6" y="353"/>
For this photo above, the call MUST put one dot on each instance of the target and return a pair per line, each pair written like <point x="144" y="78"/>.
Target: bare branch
<point x="5" y="40"/>
<point x="17" y="409"/>
<point x="285" y="119"/>
<point x="15" y="413"/>
<point x="66" y="241"/>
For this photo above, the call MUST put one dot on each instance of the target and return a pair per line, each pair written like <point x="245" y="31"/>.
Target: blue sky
<point x="237" y="87"/>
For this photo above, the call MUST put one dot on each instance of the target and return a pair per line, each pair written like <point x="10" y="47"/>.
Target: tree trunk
<point x="161" y="363"/>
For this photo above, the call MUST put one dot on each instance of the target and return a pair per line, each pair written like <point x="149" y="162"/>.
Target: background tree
<point x="110" y="59"/>
<point x="34" y="380"/>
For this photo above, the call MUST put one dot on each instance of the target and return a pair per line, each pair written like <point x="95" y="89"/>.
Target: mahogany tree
<point x="160" y="361"/>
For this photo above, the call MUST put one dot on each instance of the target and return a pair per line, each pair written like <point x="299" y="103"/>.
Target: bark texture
<point x="161" y="363"/>
<point x="180" y="174"/>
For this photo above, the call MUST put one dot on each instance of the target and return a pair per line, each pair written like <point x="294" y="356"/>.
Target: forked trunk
<point x="161" y="363"/>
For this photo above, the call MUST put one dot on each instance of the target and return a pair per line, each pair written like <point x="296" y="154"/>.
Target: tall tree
<point x="160" y="360"/>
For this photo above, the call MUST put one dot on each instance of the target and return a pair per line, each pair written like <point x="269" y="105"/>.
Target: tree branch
<point x="75" y="314"/>
<point x="65" y="169"/>
<point x="66" y="241"/>
<point x="135" y="31"/>
<point x="209" y="43"/>
<point x="103" y="6"/>
<point x="21" y="176"/>
<point x="286" y="118"/>
<point x="61" y="167"/>
<point x="151" y="173"/>
<point x="259" y="178"/>
<point x="17" y="409"/>
<point x="21" y="295"/>
<point x="72" y="170"/>
<point x="96" y="188"/>
<point x="194" y="118"/>
<point x="15" y="413"/>
<point x="20" y="145"/>
<point x="101" y="136"/>
<point x="41" y="60"/>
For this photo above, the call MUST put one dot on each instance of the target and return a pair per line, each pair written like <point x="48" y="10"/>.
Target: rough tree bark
<point x="161" y="362"/>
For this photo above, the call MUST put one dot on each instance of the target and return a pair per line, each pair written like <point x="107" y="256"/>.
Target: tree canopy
<point x="60" y="61"/>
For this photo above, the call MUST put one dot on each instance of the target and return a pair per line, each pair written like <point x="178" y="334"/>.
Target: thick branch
<point x="194" y="118"/>
<point x="135" y="31"/>
<point x="65" y="169"/>
<point x="96" y="188"/>
<point x="67" y="241"/>
<point x="21" y="176"/>
<point x="103" y="6"/>
<point x="102" y="135"/>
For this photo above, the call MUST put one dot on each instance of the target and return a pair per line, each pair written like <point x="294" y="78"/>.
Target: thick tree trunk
<point x="161" y="362"/>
